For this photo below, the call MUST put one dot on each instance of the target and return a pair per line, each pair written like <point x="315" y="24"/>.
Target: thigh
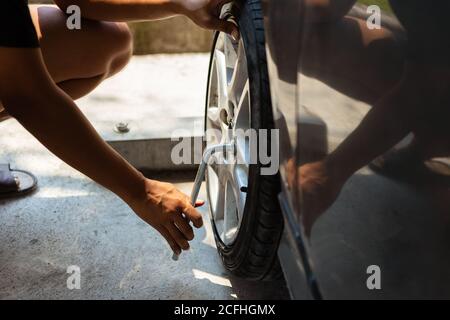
<point x="353" y="59"/>
<point x="73" y="54"/>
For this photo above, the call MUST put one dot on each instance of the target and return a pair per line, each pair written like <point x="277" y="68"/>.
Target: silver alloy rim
<point x="228" y="112"/>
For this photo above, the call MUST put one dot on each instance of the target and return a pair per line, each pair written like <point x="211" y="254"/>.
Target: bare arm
<point x="204" y="13"/>
<point x="29" y="95"/>
<point x="123" y="10"/>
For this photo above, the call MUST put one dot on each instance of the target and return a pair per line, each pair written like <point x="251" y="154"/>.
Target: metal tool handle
<point x="207" y="154"/>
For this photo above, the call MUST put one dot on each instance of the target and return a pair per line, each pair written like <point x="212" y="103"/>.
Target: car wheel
<point x="244" y="209"/>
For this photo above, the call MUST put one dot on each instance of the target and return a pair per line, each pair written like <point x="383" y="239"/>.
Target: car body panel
<point x="319" y="97"/>
<point x="282" y="67"/>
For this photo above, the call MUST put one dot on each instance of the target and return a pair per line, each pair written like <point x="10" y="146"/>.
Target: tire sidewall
<point x="234" y="255"/>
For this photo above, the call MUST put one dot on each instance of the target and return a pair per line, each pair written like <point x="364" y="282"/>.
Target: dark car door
<point x="283" y="46"/>
<point x="383" y="237"/>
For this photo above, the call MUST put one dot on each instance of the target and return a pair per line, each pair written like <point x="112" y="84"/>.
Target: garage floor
<point x="72" y="221"/>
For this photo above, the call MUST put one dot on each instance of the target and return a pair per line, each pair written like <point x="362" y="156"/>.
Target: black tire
<point x="253" y="254"/>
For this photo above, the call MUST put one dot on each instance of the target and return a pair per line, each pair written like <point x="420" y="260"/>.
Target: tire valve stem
<point x="244" y="189"/>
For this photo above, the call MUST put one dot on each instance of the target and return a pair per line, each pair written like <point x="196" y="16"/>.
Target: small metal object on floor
<point x="121" y="127"/>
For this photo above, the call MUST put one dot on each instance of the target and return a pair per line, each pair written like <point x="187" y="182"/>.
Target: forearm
<point x="204" y="13"/>
<point x="57" y="123"/>
<point x="124" y="10"/>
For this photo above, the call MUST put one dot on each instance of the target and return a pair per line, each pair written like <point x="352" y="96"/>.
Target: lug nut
<point x="224" y="116"/>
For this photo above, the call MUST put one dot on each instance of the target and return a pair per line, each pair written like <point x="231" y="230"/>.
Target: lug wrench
<point x="207" y="155"/>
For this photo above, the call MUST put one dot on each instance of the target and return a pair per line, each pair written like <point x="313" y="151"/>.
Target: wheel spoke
<point x="231" y="53"/>
<point x="216" y="171"/>
<point x="246" y="147"/>
<point x="219" y="214"/>
<point x="243" y="152"/>
<point x="239" y="76"/>
<point x="221" y="78"/>
<point x="231" y="219"/>
<point x="243" y="107"/>
<point x="215" y="168"/>
<point x="214" y="115"/>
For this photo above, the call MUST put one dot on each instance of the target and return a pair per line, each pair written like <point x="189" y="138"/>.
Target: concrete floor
<point x="72" y="221"/>
<point x="150" y="94"/>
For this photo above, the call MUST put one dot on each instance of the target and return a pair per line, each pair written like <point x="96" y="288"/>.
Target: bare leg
<point x="422" y="94"/>
<point x="360" y="63"/>
<point x="79" y="60"/>
<point x="363" y="64"/>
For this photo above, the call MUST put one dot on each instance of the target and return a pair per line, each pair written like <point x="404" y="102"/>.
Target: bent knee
<point x="121" y="39"/>
<point x="116" y="41"/>
<point x="98" y="49"/>
<point x="121" y="42"/>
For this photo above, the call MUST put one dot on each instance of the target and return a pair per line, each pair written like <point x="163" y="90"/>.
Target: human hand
<point x="206" y="14"/>
<point x="170" y="212"/>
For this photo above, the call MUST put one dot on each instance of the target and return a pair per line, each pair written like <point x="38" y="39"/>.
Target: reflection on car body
<point x="327" y="70"/>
